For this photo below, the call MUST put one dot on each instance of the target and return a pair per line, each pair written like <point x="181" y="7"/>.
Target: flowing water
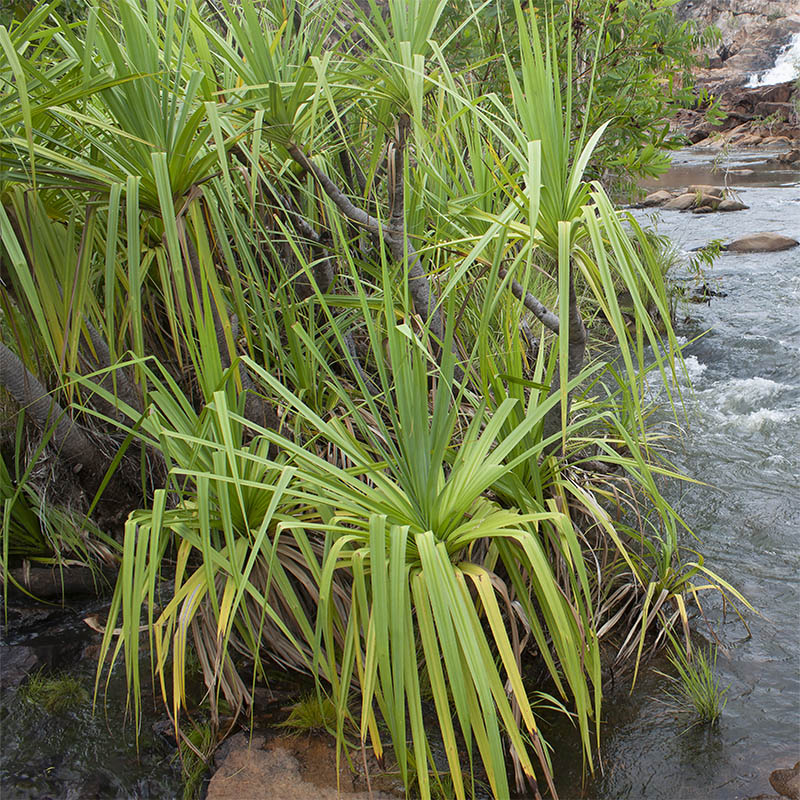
<point x="743" y="442"/>
<point x="80" y="753"/>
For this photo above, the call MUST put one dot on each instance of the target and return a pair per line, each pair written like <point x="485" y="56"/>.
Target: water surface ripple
<point x="743" y="442"/>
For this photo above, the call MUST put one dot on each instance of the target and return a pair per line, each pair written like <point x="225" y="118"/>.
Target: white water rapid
<point x="786" y="68"/>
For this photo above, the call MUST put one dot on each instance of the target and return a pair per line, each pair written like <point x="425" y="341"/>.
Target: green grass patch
<point x="696" y="689"/>
<point x="311" y="713"/>
<point x="54" y="693"/>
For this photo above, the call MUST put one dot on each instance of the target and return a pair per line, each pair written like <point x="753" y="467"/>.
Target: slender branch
<point x="533" y="304"/>
<point x="323" y="269"/>
<point x="424" y="300"/>
<point x="371" y="386"/>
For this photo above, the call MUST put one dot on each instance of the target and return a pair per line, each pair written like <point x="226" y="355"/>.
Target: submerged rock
<point x="761" y="243"/>
<point x="16" y="663"/>
<point x="786" y="782"/>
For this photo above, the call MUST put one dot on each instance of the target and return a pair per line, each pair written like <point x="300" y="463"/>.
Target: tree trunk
<point x="67" y="438"/>
<point x="575" y="356"/>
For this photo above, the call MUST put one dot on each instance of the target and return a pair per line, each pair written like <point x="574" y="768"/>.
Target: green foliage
<point x="312" y="713"/>
<point x="704" y="258"/>
<point x="626" y="62"/>
<point x="195" y="748"/>
<point x="394" y="495"/>
<point x="696" y="688"/>
<point x="56" y="694"/>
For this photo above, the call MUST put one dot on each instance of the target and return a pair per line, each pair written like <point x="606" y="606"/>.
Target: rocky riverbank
<point x="759" y="110"/>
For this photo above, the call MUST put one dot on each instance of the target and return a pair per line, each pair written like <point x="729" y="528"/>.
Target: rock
<point x="761" y="243"/>
<point x="275" y="774"/>
<point x="695" y="198"/>
<point x="736" y="138"/>
<point x="16" y="663"/>
<point x="680" y="203"/>
<point x="656" y="199"/>
<point x="786" y="782"/>
<point x="750" y="141"/>
<point x="714" y="191"/>
<point x="730" y="204"/>
<point x="699" y="134"/>
<point x="776" y="111"/>
<point x="789" y="158"/>
<point x="707" y="201"/>
<point x="751" y="32"/>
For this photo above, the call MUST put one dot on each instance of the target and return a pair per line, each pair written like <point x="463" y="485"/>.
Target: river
<point x="743" y="443"/>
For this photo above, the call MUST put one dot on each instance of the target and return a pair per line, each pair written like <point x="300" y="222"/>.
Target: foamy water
<point x="786" y="68"/>
<point x="742" y="442"/>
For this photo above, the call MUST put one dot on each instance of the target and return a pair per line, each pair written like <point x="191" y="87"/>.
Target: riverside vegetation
<point x="295" y="317"/>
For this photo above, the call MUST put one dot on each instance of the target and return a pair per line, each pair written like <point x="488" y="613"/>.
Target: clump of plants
<point x="195" y="747"/>
<point x="312" y="713"/>
<point x="695" y="688"/>
<point x="304" y="310"/>
<point x="55" y="693"/>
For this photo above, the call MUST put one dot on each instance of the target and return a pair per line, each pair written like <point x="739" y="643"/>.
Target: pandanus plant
<point x="353" y="295"/>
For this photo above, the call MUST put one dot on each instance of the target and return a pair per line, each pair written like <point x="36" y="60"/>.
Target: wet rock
<point x="698" y="134"/>
<point x="16" y="663"/>
<point x="680" y="203"/>
<point x="761" y="243"/>
<point x="751" y="32"/>
<point x="773" y="140"/>
<point x="786" y="782"/>
<point x="656" y="199"/>
<point x="704" y="294"/>
<point x="730" y="204"/>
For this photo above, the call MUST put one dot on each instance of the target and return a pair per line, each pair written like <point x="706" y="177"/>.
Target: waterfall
<point x="787" y="66"/>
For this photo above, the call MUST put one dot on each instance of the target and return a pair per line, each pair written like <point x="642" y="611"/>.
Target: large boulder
<point x="761" y="243"/>
<point x="695" y="198"/>
<point x="681" y="202"/>
<point x="656" y="199"/>
<point x="703" y="188"/>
